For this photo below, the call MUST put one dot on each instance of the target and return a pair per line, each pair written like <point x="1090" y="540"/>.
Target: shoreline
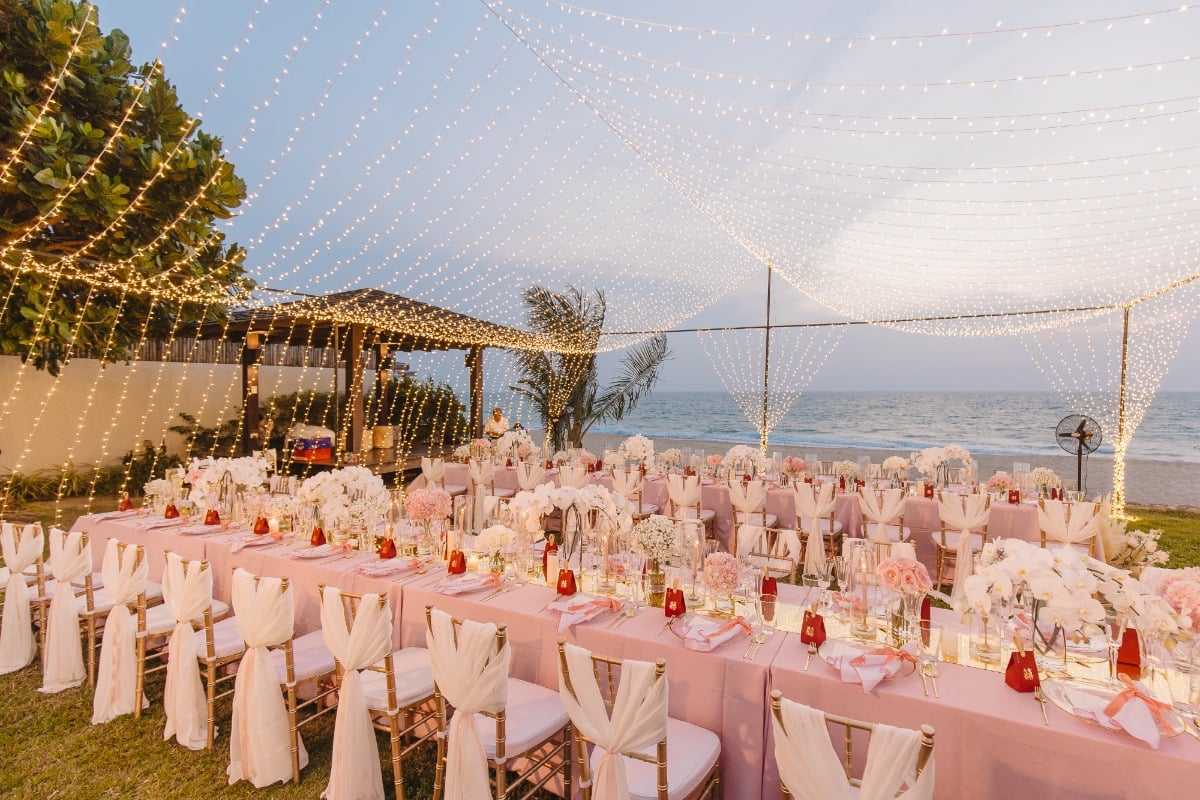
<point x="1173" y="484"/>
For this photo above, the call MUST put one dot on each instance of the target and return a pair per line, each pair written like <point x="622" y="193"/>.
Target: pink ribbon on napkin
<point x="1127" y="712"/>
<point x="390" y="567"/>
<point x="576" y="612"/>
<point x="704" y="640"/>
<point x="873" y="667"/>
<point x="459" y="584"/>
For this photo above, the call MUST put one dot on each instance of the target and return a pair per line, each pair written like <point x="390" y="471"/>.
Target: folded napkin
<point x="133" y="512"/>
<point x="197" y="530"/>
<point x="390" y="566"/>
<point x="1132" y="710"/>
<point x="320" y="551"/>
<point x="872" y="667"/>
<point x="248" y="540"/>
<point x="580" y="608"/>
<point x="467" y="582"/>
<point x="157" y="523"/>
<point x="707" y="633"/>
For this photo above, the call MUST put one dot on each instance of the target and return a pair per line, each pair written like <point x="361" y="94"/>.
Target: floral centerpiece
<point x="638" y="448"/>
<point x="207" y="474"/>
<point x="655" y="537"/>
<point x="745" y="457"/>
<point x="904" y="575"/>
<point x="493" y="541"/>
<point x="509" y="441"/>
<point x="847" y="470"/>
<point x="332" y="494"/>
<point x="794" y="465"/>
<point x="1001" y="482"/>
<point x="672" y="457"/>
<point x="462" y="453"/>
<point x="1125" y="549"/>
<point x="721" y="575"/>
<point x="525" y="449"/>
<point x="480" y="448"/>
<point x="158" y="489"/>
<point x="613" y="458"/>
<point x="1044" y="476"/>
<point x="1181" y="589"/>
<point x="714" y="460"/>
<point x="930" y="460"/>
<point x="426" y="504"/>
<point x="895" y="465"/>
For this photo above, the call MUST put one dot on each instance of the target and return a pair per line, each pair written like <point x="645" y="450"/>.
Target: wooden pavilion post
<point x="250" y="352"/>
<point x="354" y="389"/>
<point x="475" y="364"/>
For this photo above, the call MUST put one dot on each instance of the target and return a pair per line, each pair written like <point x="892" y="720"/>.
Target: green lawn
<point x="48" y="749"/>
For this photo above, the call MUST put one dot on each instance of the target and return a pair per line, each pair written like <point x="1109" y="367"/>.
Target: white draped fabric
<point x="754" y="539"/>
<point x="116" y="677"/>
<point x="260" y="742"/>
<point x="684" y="491"/>
<point x="70" y="560"/>
<point x="638" y="720"/>
<point x="572" y="477"/>
<point x="814" y="502"/>
<point x="1080" y="526"/>
<point x="187" y="593"/>
<point x="22" y="547"/>
<point x="530" y="473"/>
<point x="434" y="470"/>
<point x="964" y="513"/>
<point x="811" y="770"/>
<point x="880" y="509"/>
<point x="627" y="482"/>
<point x="482" y="475"/>
<point x="354" y="773"/>
<point x="473" y="678"/>
<point x="747" y="498"/>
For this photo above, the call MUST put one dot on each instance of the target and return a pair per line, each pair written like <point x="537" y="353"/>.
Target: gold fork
<point x="1041" y="698"/>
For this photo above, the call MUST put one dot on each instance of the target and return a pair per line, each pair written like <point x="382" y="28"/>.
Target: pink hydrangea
<point x="1182" y="590"/>
<point x="793" y="465"/>
<point x="524" y="449"/>
<point x="714" y="460"/>
<point x="428" y="503"/>
<point x="721" y="573"/>
<point x="1000" y="482"/>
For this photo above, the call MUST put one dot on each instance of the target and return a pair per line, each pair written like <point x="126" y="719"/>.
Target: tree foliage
<point x="564" y="387"/>
<point x="108" y="196"/>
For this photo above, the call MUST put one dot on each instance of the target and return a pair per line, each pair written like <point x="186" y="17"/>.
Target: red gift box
<point x="813" y="630"/>
<point x="770" y="586"/>
<point x="929" y="491"/>
<point x="211" y="517"/>
<point x="318" y="537"/>
<point x="566" y="582"/>
<point x="1129" y="657"/>
<point x="1014" y="496"/>
<point x="261" y="526"/>
<point x="551" y="547"/>
<point x="387" y="547"/>
<point x="171" y="512"/>
<point x="674" y="605"/>
<point x="458" y="563"/>
<point x="126" y="503"/>
<point x="1021" y="674"/>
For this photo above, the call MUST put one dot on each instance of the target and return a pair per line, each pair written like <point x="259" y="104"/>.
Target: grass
<point x="49" y="750"/>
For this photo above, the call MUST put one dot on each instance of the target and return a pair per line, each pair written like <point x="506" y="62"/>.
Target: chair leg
<point x="211" y="687"/>
<point x="397" y="774"/>
<point x="439" y="772"/>
<point x="568" y="766"/>
<point x="91" y="651"/>
<point x="585" y="769"/>
<point x="294" y="729"/>
<point x="501" y="782"/>
<point x="141" y="677"/>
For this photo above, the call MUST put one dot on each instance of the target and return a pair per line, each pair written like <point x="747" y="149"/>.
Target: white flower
<point x="846" y="469"/>
<point x="745" y="457"/>
<point x="638" y="448"/>
<point x="656" y="537"/>
<point x="494" y="539"/>
<point x="508" y="443"/>
<point x="160" y="487"/>
<point x="895" y="463"/>
<point x="1044" y="476"/>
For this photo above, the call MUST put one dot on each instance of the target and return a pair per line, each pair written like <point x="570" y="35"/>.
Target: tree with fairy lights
<point x="563" y="387"/>
<point x="109" y="193"/>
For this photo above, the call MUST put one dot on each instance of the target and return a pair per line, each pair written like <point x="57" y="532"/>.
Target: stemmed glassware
<point x="1114" y="635"/>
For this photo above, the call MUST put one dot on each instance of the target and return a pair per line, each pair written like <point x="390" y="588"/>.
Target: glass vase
<point x="657" y="584"/>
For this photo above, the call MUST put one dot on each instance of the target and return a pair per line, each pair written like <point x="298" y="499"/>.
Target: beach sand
<point x="1150" y="483"/>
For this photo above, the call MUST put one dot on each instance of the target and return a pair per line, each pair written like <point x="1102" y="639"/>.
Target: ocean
<point x="996" y="423"/>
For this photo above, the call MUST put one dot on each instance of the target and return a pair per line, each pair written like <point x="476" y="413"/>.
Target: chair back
<point x="434" y="470"/>
<point x="777" y="549"/>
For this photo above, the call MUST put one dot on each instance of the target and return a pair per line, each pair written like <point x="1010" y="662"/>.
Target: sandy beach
<point x="1151" y="483"/>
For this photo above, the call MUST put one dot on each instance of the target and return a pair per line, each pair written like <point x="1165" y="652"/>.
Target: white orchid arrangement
<point x="334" y="491"/>
<point x="508" y="443"/>
<point x="533" y="504"/>
<point x="205" y="474"/>
<point x="1069" y="585"/>
<point x="638" y="448"/>
<point x="742" y="457"/>
<point x="494" y="539"/>
<point x="1131" y="550"/>
<point x="656" y="538"/>
<point x="1044" y="476"/>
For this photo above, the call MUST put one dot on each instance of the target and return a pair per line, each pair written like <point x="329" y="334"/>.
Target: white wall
<point x="94" y="415"/>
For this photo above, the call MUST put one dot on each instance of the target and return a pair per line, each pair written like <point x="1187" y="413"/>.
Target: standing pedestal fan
<point x="1080" y="436"/>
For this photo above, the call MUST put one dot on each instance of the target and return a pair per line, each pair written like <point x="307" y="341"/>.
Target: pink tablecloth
<point x="1005" y="521"/>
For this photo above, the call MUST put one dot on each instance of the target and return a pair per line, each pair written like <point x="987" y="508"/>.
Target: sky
<point x="456" y="153"/>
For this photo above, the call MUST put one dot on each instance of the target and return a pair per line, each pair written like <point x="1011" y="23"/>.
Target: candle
<point x="552" y="569"/>
<point x="273" y="525"/>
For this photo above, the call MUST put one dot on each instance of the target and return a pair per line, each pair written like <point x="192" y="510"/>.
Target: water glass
<point x="764" y="606"/>
<point x="931" y="643"/>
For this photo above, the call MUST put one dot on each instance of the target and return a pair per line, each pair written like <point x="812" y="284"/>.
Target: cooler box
<point x="310" y="443"/>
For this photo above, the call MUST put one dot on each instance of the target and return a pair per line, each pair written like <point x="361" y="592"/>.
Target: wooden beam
<point x="250" y="353"/>
<point x="475" y="364"/>
<point x="354" y="388"/>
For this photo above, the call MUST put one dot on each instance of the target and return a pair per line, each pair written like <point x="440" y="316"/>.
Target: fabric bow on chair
<point x="627" y="482"/>
<point x="70" y="560"/>
<point x="572" y="477"/>
<point x="354" y="773"/>
<point x="814" y="503"/>
<point x="473" y="678"/>
<point x="810" y="769"/>
<point x="124" y="572"/>
<point x="963" y="513"/>
<point x="21" y="551"/>
<point x="434" y="470"/>
<point x="684" y="491"/>
<point x="881" y="509"/>
<point x="530" y="473"/>
<point x="187" y="593"/>
<point x="638" y="719"/>
<point x="1081" y="528"/>
<point x="260" y="739"/>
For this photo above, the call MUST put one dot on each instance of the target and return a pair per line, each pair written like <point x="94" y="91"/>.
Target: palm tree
<point x="563" y="387"/>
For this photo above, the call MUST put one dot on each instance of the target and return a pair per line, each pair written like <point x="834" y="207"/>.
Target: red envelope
<point x="1021" y="674"/>
<point x="458" y="563"/>
<point x="770" y="586"/>
<point x="674" y="605"/>
<point x="813" y="630"/>
<point x="171" y="512"/>
<point x="211" y="517"/>
<point x="1014" y="496"/>
<point x="566" y="582"/>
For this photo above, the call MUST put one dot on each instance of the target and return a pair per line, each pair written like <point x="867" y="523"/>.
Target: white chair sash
<point x="684" y="491"/>
<point x="187" y="593"/>
<point x="482" y="475"/>
<point x="963" y="512"/>
<point x="881" y="509"/>
<point x="21" y="551"/>
<point x="572" y="477"/>
<point x="638" y="720"/>
<point x="473" y="678"/>
<point x="70" y="560"/>
<point x="810" y="769"/>
<point x="354" y="773"/>
<point x="747" y="498"/>
<point x="814" y="503"/>
<point x="259" y="741"/>
<point x="433" y="469"/>
<point x="627" y="482"/>
<point x="1082" y="525"/>
<point x="530" y="473"/>
<point x="116" y="676"/>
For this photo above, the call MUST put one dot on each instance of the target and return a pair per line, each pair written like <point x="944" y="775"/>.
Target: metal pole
<point x="766" y="364"/>
<point x="1118" y="500"/>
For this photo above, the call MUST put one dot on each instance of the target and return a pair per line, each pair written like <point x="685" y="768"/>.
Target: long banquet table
<point x="991" y="742"/>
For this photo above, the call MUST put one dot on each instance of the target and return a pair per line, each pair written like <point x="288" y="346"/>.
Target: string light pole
<point x="766" y="365"/>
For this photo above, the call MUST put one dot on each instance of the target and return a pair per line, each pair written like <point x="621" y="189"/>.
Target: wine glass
<point x="824" y="578"/>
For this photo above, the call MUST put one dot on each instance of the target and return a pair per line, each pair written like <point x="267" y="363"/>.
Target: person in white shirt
<point x="497" y="424"/>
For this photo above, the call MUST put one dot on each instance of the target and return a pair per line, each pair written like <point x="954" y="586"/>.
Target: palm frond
<point x="637" y="373"/>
